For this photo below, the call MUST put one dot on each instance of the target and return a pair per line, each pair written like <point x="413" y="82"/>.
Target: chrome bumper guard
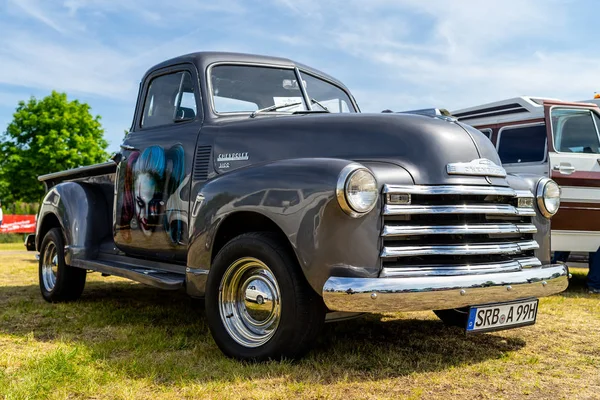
<point x="441" y="292"/>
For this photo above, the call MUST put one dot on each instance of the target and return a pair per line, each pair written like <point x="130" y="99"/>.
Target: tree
<point x="48" y="135"/>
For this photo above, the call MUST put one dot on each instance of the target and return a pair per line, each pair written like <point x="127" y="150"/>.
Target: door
<point x="574" y="156"/>
<point x="152" y="189"/>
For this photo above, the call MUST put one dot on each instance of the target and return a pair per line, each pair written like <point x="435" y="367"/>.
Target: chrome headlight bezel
<point x="546" y="209"/>
<point x="344" y="179"/>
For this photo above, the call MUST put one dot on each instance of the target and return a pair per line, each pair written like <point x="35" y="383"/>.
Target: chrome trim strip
<point x="529" y="262"/>
<point x="526" y="228"/>
<point x="459" y="250"/>
<point x="467" y="229"/>
<point x="437" y="293"/>
<point x="454" y="270"/>
<point x="450" y="270"/>
<point x="499" y="209"/>
<point x="472" y="190"/>
<point x="524" y="193"/>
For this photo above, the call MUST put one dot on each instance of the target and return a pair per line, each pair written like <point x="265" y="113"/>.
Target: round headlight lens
<point x="361" y="191"/>
<point x="548" y="197"/>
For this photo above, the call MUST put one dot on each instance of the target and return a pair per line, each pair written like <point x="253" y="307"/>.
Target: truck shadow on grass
<point x="141" y="332"/>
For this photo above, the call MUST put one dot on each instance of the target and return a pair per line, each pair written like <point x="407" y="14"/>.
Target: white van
<point x="554" y="138"/>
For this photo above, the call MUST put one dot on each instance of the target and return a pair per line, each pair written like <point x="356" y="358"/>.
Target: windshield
<point x="244" y="88"/>
<point x="575" y="130"/>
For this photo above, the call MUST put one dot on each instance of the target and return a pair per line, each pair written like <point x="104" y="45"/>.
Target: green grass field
<point x="123" y="340"/>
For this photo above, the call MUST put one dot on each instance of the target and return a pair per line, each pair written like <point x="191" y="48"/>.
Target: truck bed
<point x="55" y="178"/>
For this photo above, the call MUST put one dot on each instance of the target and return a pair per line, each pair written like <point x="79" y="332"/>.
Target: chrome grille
<point x="457" y="230"/>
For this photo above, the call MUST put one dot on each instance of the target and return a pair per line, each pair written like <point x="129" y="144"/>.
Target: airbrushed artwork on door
<point x="152" y="198"/>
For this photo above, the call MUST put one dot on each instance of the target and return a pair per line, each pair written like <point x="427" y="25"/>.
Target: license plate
<point x="495" y="317"/>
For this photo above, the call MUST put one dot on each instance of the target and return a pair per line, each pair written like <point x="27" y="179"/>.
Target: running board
<point x="148" y="276"/>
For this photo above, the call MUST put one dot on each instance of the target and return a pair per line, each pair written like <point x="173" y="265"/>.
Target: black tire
<point x="259" y="299"/>
<point x="302" y="311"/>
<point x="454" y="317"/>
<point x="68" y="281"/>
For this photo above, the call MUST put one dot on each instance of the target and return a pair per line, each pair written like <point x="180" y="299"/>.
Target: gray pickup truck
<point x="255" y="183"/>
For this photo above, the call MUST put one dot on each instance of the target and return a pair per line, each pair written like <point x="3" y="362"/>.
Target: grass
<point x="123" y="340"/>
<point x="12" y="246"/>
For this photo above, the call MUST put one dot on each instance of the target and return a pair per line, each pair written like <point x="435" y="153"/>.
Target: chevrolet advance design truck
<point x="255" y="183"/>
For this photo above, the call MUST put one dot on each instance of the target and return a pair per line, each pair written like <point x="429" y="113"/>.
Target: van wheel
<point x="58" y="281"/>
<point x="454" y="317"/>
<point x="284" y="323"/>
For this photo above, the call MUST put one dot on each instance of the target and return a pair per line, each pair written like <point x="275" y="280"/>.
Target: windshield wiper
<point x="273" y="108"/>
<point x="320" y="105"/>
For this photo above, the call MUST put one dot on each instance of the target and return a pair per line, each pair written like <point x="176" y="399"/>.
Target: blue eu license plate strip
<point x="499" y="316"/>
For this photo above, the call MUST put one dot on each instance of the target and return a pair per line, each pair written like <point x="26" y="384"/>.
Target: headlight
<point x="548" y="197"/>
<point x="356" y="190"/>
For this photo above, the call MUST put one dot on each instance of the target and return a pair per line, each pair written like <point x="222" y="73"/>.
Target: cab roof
<point x="203" y="59"/>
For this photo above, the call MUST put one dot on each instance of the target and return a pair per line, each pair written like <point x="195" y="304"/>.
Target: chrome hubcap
<point x="49" y="267"/>
<point x="249" y="302"/>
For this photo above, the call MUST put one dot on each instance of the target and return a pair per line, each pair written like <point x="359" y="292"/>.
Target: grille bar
<point x="467" y="229"/>
<point x="467" y="269"/>
<point x="497" y="209"/>
<point x="459" y="249"/>
<point x="439" y="190"/>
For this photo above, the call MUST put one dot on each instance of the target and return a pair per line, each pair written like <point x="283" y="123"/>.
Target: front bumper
<point x="442" y="292"/>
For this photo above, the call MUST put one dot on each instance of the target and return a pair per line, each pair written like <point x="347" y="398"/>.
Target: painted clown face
<point x="147" y="203"/>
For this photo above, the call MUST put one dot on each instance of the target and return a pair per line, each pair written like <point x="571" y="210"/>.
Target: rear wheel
<point x="282" y="321"/>
<point x="58" y="281"/>
<point x="454" y="317"/>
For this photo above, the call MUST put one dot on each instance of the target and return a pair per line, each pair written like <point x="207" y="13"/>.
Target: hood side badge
<point x="478" y="167"/>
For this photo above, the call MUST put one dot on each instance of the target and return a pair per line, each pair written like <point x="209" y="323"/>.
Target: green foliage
<point x="21" y="208"/>
<point x="48" y="135"/>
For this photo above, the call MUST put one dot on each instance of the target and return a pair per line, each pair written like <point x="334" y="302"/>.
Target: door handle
<point x="566" y="169"/>
<point x="127" y="147"/>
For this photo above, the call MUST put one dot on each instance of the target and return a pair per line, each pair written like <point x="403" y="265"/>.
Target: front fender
<point x="299" y="197"/>
<point x="83" y="214"/>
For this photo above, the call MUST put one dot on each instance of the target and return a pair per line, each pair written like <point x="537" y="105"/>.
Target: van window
<point x="487" y="132"/>
<point x="522" y="144"/>
<point x="575" y="131"/>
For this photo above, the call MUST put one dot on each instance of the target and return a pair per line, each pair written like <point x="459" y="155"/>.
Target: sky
<point x="392" y="54"/>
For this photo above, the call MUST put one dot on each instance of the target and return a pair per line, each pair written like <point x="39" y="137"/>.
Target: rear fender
<point x="81" y="211"/>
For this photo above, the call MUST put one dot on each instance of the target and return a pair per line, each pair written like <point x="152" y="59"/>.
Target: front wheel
<point x="58" y="281"/>
<point x="454" y="317"/>
<point x="282" y="322"/>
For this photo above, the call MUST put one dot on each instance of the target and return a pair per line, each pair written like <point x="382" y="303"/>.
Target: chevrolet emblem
<point x="478" y="167"/>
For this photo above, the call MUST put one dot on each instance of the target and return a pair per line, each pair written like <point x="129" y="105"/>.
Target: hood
<point x="422" y="145"/>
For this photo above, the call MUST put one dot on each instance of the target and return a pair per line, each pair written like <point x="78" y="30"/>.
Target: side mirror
<point x="184" y="114"/>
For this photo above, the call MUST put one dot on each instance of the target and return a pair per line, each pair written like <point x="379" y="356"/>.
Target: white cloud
<point x="35" y="10"/>
<point x="396" y="54"/>
<point x="460" y="53"/>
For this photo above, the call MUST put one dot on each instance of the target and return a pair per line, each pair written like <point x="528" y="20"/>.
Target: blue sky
<point x="397" y="54"/>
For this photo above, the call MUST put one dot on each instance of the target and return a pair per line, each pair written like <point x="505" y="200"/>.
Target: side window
<point x="170" y="98"/>
<point x="487" y="132"/>
<point x="324" y="93"/>
<point x="522" y="144"/>
<point x="575" y="131"/>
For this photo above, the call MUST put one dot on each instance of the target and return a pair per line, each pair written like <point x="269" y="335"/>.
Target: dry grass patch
<point x="123" y="340"/>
